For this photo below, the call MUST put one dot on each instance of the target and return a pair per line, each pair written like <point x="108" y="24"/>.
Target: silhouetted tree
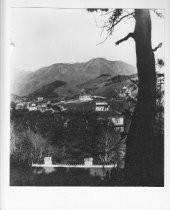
<point x="140" y="165"/>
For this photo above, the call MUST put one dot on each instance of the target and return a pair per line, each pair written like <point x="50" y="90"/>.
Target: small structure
<point x="48" y="161"/>
<point x="62" y="100"/>
<point x="44" y="106"/>
<point x="40" y="99"/>
<point x="88" y="161"/>
<point x="85" y="97"/>
<point x="32" y="107"/>
<point x="62" y="108"/>
<point x="125" y="91"/>
<point x="19" y="106"/>
<point x="118" y="122"/>
<point x="122" y="92"/>
<point x="66" y="123"/>
<point x="102" y="106"/>
<point x="28" y="104"/>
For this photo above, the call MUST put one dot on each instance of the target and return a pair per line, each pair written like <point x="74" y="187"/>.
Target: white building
<point x="48" y="161"/>
<point x="102" y="107"/>
<point x="118" y="122"/>
<point x="85" y="97"/>
<point x="19" y="106"/>
<point x="44" y="105"/>
<point x="88" y="161"/>
<point x="32" y="107"/>
<point x="40" y="99"/>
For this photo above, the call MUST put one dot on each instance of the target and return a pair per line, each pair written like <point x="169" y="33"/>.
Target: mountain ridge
<point x="72" y="74"/>
<point x="104" y="85"/>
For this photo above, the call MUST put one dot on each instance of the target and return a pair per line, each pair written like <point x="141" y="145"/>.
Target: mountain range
<point x="26" y="83"/>
<point x="64" y="79"/>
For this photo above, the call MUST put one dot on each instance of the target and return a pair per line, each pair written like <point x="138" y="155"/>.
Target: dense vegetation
<point x="68" y="138"/>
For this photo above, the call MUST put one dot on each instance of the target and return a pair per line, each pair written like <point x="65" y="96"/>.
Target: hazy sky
<point x="46" y="36"/>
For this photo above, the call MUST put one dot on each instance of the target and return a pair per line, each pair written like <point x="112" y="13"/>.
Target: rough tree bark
<point x="144" y="152"/>
<point x="139" y="168"/>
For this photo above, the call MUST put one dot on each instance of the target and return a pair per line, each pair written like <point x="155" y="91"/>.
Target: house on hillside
<point x="32" y="107"/>
<point x="85" y="97"/>
<point x="88" y="161"/>
<point x="43" y="107"/>
<point x="19" y="105"/>
<point x="118" y="122"/>
<point x="122" y="92"/>
<point x="126" y="91"/>
<point x="102" y="106"/>
<point x="28" y="103"/>
<point x="40" y="99"/>
<point x="113" y="118"/>
<point x="66" y="123"/>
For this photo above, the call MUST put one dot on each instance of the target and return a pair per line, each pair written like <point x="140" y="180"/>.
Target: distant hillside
<point x="95" y="83"/>
<point x="47" y="91"/>
<point x="72" y="74"/>
<point x="67" y="91"/>
<point x="107" y="86"/>
<point x="103" y="85"/>
<point x="57" y="89"/>
<point x="111" y="90"/>
<point x="14" y="97"/>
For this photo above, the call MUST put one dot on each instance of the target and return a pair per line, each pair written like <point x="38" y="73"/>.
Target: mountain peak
<point x="98" y="59"/>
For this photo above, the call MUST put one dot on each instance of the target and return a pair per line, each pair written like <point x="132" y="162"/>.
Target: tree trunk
<point x="139" y="168"/>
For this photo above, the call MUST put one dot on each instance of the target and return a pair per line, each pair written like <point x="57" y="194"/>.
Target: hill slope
<point x="47" y="91"/>
<point x="104" y="85"/>
<point x="72" y="74"/>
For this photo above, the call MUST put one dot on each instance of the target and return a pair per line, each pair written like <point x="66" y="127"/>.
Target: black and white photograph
<point x="87" y="96"/>
<point x="84" y="113"/>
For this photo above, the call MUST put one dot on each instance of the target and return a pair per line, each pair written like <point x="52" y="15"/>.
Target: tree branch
<point x="159" y="14"/>
<point x="118" y="21"/>
<point x="159" y="46"/>
<point x="104" y="40"/>
<point x="130" y="35"/>
<point x="109" y="26"/>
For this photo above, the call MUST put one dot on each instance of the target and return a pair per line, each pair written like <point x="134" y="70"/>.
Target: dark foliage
<point x="22" y="176"/>
<point x="47" y="91"/>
